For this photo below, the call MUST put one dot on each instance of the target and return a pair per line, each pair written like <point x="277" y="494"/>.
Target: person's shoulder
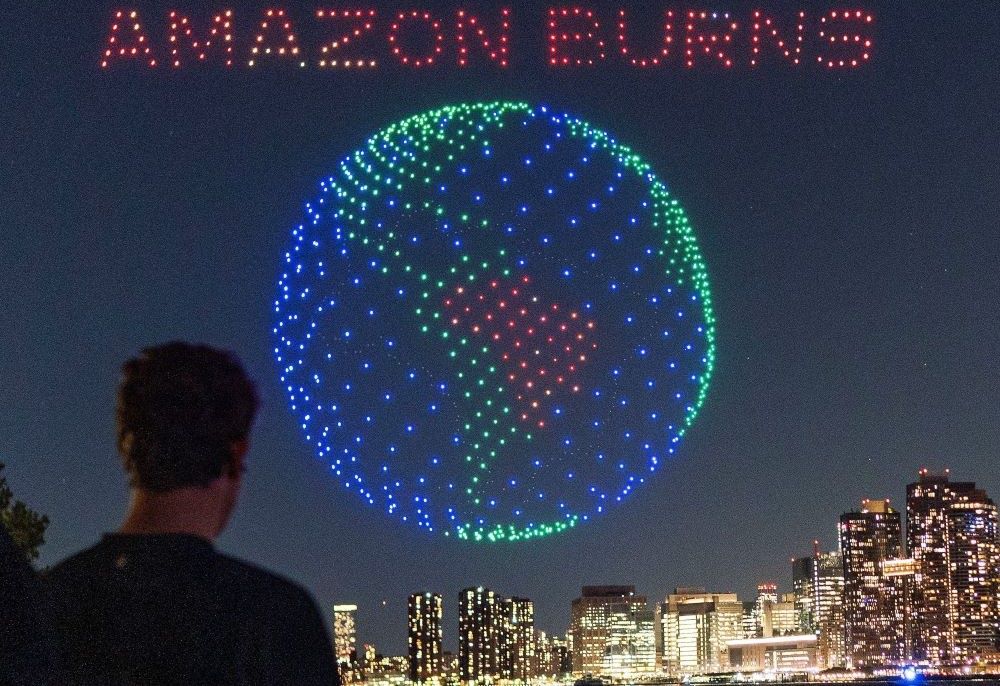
<point x="263" y="586"/>
<point x="288" y="637"/>
<point x="72" y="584"/>
<point x="77" y="564"/>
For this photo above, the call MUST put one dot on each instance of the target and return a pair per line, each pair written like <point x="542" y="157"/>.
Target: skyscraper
<point x="748" y="621"/>
<point x="832" y="643"/>
<point x="928" y="502"/>
<point x="424" y="615"/>
<point x="767" y="595"/>
<point x="952" y="536"/>
<point x="805" y="599"/>
<point x="901" y="592"/>
<point x="345" y="635"/>
<point x="551" y="655"/>
<point x="631" y="646"/>
<point x="518" y="640"/>
<point x="480" y="634"/>
<point x="771" y="615"/>
<point x="872" y="611"/>
<point x="828" y="607"/>
<point x="785" y="616"/>
<point x="545" y="658"/>
<point x="590" y="623"/>
<point x="974" y="566"/>
<point x="367" y="658"/>
<point x="818" y="581"/>
<point x="697" y="627"/>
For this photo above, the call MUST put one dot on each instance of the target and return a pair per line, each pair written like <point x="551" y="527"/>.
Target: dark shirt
<point x="169" y="609"/>
<point x="27" y="642"/>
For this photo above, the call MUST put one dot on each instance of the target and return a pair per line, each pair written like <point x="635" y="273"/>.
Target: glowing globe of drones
<point x="494" y="322"/>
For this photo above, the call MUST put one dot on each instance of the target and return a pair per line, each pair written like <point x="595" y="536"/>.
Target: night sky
<point x="848" y="221"/>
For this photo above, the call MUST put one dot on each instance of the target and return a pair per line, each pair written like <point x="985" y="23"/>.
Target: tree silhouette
<point x="26" y="526"/>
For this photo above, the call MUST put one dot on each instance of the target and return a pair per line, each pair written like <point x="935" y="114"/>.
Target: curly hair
<point x="180" y="409"/>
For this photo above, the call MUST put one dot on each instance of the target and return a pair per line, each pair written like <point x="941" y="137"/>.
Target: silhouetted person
<point x="155" y="603"/>
<point x="27" y="643"/>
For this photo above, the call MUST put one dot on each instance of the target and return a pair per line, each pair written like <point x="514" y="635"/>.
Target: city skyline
<point x="847" y="221"/>
<point x="871" y="603"/>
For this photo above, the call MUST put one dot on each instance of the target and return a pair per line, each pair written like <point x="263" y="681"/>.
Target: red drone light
<point x="542" y="345"/>
<point x="574" y="37"/>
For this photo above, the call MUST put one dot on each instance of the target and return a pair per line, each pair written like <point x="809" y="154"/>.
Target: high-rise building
<point x="805" y="598"/>
<point x="952" y="535"/>
<point x="928" y="502"/>
<point x="545" y="660"/>
<point x="771" y="615"/>
<point x="974" y="561"/>
<point x="697" y="626"/>
<point x="590" y="623"/>
<point x="819" y="593"/>
<point x="631" y="646"/>
<point x="551" y="655"/>
<point x="345" y="633"/>
<point x="785" y="616"/>
<point x="480" y="634"/>
<point x="899" y="586"/>
<point x="874" y="602"/>
<point x="832" y="637"/>
<point x="424" y="615"/>
<point x="367" y="659"/>
<point x="748" y="621"/>
<point x="451" y="673"/>
<point x="767" y="595"/>
<point x="518" y="640"/>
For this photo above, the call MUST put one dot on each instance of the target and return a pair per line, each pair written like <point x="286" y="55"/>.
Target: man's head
<point x="184" y="415"/>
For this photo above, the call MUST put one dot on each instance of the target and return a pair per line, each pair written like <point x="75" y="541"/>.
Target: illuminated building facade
<point x="792" y="653"/>
<point x="901" y="591"/>
<point x="388" y="667"/>
<point x="832" y="637"/>
<point x="424" y="636"/>
<point x="771" y="615"/>
<point x="952" y="536"/>
<point x="784" y="616"/>
<point x="480" y="629"/>
<point x="875" y="602"/>
<point x="697" y="626"/>
<point x="828" y="608"/>
<point x="928" y="502"/>
<point x="818" y="581"/>
<point x="631" y="646"/>
<point x="748" y="621"/>
<point x="974" y="568"/>
<point x="590" y="623"/>
<point x="561" y="655"/>
<point x="451" y="673"/>
<point x="367" y="662"/>
<point x="767" y="595"/>
<point x="551" y="655"/>
<point x="802" y="589"/>
<point x="345" y="633"/>
<point x="518" y="660"/>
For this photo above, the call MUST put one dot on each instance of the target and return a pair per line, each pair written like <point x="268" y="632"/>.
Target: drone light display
<point x="574" y="36"/>
<point x="494" y="322"/>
